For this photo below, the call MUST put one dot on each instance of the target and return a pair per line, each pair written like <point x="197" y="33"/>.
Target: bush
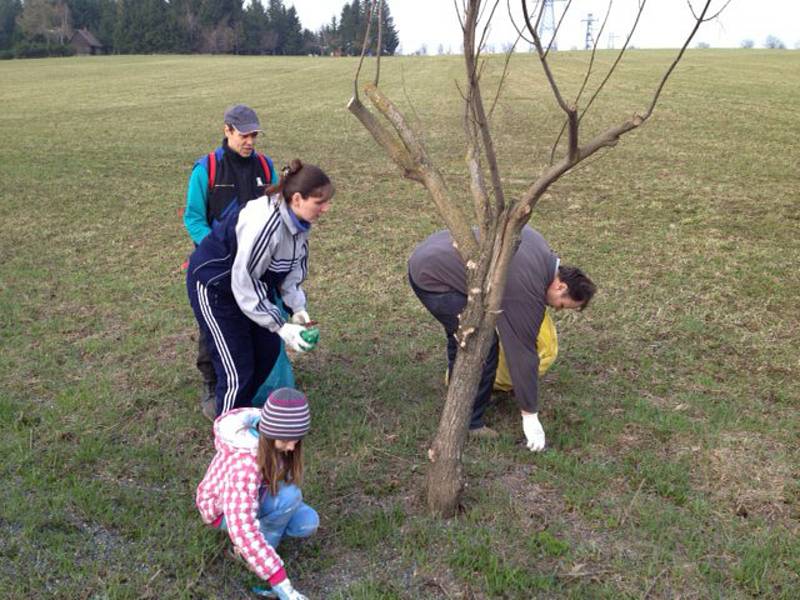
<point x="29" y="49"/>
<point x="774" y="43"/>
<point x="6" y="54"/>
<point x="62" y="50"/>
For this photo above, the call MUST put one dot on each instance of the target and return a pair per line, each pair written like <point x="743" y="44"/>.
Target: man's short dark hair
<point x="579" y="287"/>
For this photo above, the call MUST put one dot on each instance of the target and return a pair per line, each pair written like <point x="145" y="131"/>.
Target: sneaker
<point x="209" y="408"/>
<point x="483" y="433"/>
<point x="208" y="403"/>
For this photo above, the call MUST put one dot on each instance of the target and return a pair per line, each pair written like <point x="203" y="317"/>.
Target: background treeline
<point x="44" y="27"/>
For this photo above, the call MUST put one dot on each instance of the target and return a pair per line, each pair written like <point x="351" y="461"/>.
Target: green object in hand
<point x="310" y="335"/>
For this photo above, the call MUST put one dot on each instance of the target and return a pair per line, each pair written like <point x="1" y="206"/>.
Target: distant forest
<point x="33" y="28"/>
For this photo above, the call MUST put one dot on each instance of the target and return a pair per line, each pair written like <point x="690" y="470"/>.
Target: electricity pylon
<point x="547" y="25"/>
<point x="589" y="20"/>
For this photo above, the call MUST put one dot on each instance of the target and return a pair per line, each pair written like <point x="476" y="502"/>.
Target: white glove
<point x="290" y="333"/>
<point x="534" y="434"/>
<point x="285" y="591"/>
<point x="300" y="317"/>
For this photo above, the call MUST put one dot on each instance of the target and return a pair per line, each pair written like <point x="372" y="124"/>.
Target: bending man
<point x="535" y="280"/>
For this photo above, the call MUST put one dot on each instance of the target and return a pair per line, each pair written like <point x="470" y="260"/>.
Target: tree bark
<point x="446" y="472"/>
<point x="485" y="284"/>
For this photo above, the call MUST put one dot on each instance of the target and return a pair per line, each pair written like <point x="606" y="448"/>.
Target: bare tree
<point x="499" y="218"/>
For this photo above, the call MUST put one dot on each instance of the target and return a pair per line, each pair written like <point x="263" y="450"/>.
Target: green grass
<point x="670" y="413"/>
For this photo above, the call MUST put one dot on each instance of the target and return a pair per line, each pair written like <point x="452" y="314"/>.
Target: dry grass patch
<point x="749" y="476"/>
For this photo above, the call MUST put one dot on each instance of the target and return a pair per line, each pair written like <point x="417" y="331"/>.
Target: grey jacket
<point x="435" y="266"/>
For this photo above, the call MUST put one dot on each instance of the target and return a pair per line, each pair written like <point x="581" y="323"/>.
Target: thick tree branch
<point x="572" y="120"/>
<point x="413" y="158"/>
<point x="385" y="140"/>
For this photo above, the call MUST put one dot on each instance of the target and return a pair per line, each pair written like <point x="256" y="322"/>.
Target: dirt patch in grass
<point x="750" y="476"/>
<point x="633" y="437"/>
<point x="104" y="542"/>
<point x="172" y="347"/>
<point x="597" y="555"/>
<point x="541" y="507"/>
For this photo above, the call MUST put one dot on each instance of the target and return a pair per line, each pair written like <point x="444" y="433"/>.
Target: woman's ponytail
<point x="284" y="175"/>
<point x="308" y="180"/>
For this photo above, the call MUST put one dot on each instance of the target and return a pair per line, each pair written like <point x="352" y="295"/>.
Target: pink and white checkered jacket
<point x="230" y="488"/>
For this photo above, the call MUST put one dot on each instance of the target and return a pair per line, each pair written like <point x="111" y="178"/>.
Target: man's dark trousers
<point x="204" y="364"/>
<point x="445" y="307"/>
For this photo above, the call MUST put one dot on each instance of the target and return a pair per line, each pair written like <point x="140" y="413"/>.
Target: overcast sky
<point x="664" y="23"/>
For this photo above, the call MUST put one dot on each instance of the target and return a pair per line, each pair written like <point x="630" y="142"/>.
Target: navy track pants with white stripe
<point x="243" y="353"/>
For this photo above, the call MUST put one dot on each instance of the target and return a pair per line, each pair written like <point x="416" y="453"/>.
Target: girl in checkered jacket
<point x="252" y="486"/>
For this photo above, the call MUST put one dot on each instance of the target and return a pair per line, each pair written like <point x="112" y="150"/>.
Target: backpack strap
<point x="212" y="160"/>
<point x="212" y="170"/>
<point x="266" y="165"/>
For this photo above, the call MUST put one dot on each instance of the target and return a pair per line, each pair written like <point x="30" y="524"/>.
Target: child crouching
<point x="252" y="486"/>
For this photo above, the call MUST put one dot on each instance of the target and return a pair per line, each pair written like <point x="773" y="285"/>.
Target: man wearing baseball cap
<point x="232" y="174"/>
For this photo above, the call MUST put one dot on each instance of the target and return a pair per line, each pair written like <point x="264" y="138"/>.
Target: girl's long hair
<point x="276" y="466"/>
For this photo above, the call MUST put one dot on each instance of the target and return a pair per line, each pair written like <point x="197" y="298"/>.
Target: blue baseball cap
<point x="243" y="118"/>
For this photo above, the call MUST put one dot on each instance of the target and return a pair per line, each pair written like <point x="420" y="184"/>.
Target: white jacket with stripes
<point x="263" y="246"/>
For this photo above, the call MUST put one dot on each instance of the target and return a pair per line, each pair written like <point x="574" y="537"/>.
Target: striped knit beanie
<point x="285" y="415"/>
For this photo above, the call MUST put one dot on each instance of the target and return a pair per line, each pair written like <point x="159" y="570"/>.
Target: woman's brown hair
<point x="308" y="180"/>
<point x="276" y="466"/>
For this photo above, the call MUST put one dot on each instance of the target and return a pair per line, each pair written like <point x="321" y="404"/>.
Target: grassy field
<point x="671" y="412"/>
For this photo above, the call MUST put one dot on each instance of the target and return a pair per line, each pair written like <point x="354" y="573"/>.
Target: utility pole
<point x="589" y="20"/>
<point x="611" y="38"/>
<point x="547" y="25"/>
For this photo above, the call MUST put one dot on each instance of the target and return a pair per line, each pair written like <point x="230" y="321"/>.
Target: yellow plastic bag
<point x="546" y="346"/>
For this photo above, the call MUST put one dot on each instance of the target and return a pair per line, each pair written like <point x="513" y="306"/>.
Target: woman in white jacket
<point x="252" y="486"/>
<point x="256" y="253"/>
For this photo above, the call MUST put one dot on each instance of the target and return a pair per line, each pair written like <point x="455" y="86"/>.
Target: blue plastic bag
<point x="281" y="374"/>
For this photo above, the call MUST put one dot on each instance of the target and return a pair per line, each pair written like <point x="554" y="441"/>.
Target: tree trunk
<point x="486" y="281"/>
<point x="446" y="472"/>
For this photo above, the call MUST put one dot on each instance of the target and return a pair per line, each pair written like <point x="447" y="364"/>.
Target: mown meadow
<point x="671" y="412"/>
